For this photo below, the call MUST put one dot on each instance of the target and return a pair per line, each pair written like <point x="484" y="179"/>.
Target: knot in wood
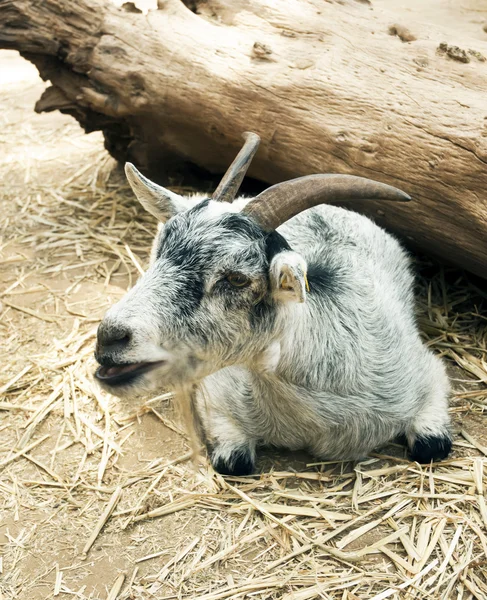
<point x="261" y="51"/>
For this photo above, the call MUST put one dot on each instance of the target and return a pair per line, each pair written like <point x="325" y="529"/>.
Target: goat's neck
<point x="292" y="349"/>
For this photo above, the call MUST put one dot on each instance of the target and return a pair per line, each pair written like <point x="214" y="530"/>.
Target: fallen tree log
<point x="330" y="87"/>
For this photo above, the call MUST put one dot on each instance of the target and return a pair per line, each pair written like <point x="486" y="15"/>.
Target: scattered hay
<point x="74" y="493"/>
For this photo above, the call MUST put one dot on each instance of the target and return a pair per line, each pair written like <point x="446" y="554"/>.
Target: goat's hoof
<point x="430" y="448"/>
<point x="240" y="462"/>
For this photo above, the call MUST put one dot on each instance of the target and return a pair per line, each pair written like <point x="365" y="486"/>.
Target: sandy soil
<point x="57" y="277"/>
<point x="51" y="149"/>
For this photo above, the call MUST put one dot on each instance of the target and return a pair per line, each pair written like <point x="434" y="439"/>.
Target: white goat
<point x="299" y="324"/>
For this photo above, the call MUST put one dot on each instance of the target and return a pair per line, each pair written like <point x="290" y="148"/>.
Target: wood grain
<point x="329" y="87"/>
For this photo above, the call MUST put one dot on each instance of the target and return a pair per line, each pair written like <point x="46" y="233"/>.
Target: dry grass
<point x="88" y="511"/>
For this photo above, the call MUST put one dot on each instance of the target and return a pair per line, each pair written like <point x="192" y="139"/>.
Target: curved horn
<point x="277" y="204"/>
<point x="229" y="185"/>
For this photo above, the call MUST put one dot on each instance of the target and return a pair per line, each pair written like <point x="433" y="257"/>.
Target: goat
<point x="296" y="317"/>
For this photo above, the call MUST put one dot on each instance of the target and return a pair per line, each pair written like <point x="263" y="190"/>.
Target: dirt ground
<point x="76" y="463"/>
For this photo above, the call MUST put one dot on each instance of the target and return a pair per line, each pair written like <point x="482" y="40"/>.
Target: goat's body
<point x="336" y="367"/>
<point x="347" y="371"/>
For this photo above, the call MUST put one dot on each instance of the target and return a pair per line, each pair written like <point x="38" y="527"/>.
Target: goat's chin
<point x="132" y="389"/>
<point x="148" y="383"/>
<point x="129" y="380"/>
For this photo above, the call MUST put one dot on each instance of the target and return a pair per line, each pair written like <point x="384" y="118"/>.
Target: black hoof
<point x="239" y="463"/>
<point x="430" y="448"/>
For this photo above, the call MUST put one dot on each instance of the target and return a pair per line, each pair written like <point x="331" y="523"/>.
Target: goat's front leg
<point x="231" y="453"/>
<point x="223" y="398"/>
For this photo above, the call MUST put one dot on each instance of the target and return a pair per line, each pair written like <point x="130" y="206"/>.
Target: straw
<point x="74" y="239"/>
<point x="102" y="520"/>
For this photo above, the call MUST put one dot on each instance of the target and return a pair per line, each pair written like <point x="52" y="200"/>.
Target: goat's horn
<point x="277" y="204"/>
<point x="230" y="184"/>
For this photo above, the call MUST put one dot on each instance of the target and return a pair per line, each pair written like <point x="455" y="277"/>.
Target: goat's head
<point x="218" y="276"/>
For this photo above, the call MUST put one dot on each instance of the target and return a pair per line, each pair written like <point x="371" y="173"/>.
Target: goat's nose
<point x="112" y="336"/>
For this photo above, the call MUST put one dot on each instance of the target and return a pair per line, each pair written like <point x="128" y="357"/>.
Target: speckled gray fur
<point x="339" y="375"/>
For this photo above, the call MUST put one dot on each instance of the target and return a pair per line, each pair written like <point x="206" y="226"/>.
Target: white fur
<point x="339" y="369"/>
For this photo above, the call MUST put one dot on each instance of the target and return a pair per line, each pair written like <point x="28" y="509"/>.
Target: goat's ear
<point x="288" y="277"/>
<point x="161" y="203"/>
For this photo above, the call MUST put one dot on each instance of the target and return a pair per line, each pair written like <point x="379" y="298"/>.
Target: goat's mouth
<point x="124" y="373"/>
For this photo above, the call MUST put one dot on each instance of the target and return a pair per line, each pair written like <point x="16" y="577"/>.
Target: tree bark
<point x="330" y="87"/>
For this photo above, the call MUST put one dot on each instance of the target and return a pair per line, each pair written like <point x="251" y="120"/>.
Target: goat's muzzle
<point x="113" y="340"/>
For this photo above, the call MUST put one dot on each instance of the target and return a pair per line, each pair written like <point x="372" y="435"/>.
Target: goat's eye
<point x="237" y="280"/>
